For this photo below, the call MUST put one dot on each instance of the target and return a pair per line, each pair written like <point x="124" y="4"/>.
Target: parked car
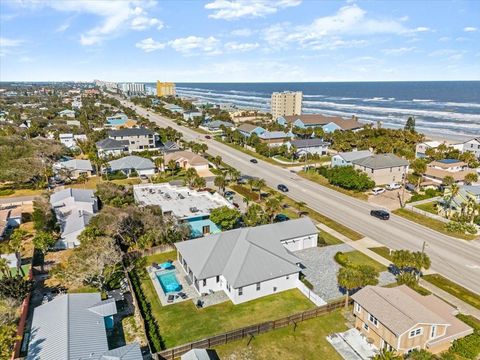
<point x="236" y="205"/>
<point x="229" y="193"/>
<point x="393" y="186"/>
<point x="411" y="187"/>
<point x="144" y="177"/>
<point x="381" y="214"/>
<point x="280" y="218"/>
<point x="254" y="161"/>
<point x="378" y="191"/>
<point x="282" y="188"/>
<point x="208" y="137"/>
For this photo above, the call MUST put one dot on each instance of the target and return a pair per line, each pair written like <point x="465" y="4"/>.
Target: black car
<point x="280" y="218"/>
<point x="381" y="214"/>
<point x="282" y="188"/>
<point x="254" y="161"/>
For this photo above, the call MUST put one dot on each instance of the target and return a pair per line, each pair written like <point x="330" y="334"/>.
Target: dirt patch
<point x="389" y="199"/>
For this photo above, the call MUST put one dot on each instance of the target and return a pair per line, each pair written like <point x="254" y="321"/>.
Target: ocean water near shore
<point x="443" y="109"/>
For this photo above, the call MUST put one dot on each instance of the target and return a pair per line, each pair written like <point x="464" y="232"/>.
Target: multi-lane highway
<point x="456" y="259"/>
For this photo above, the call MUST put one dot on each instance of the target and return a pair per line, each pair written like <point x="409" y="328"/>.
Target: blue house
<point x="327" y="123"/>
<point x="248" y="129"/>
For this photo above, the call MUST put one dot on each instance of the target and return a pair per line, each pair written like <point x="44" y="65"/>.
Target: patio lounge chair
<point x="199" y="304"/>
<point x="155" y="265"/>
<point x="170" y="298"/>
<point x="182" y="295"/>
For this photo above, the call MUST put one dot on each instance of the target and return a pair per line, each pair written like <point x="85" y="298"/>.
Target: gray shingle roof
<point x="130" y="132"/>
<point x="127" y="352"/>
<point x="248" y="255"/>
<point x="305" y="143"/>
<point x="354" y="155"/>
<point x="67" y="328"/>
<point x="76" y="221"/>
<point x="381" y="161"/>
<point x="82" y="195"/>
<point x="131" y="162"/>
<point x="111" y="144"/>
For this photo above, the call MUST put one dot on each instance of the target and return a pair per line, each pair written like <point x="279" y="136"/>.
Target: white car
<point x="393" y="186"/>
<point x="378" y="191"/>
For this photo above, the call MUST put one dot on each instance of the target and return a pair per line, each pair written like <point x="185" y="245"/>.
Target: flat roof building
<point x="286" y="103"/>
<point x="165" y="88"/>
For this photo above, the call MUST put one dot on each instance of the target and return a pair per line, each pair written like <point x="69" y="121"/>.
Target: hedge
<point x="151" y="325"/>
<point x="341" y="259"/>
<point x="469" y="346"/>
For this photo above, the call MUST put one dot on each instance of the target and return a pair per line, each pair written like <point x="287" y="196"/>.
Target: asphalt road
<point x="455" y="259"/>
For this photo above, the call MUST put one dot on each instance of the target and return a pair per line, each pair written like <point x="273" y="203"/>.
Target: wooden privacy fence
<point x="173" y="353"/>
<point x="152" y="251"/>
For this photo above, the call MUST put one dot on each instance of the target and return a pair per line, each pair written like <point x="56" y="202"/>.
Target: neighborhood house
<point x="402" y="320"/>
<point x="346" y="158"/>
<point x="327" y="123"/>
<point x="438" y="170"/>
<point x="73" y="168"/>
<point x="309" y="146"/>
<point x="383" y="168"/>
<point x="186" y="160"/>
<point x="136" y="139"/>
<point x="248" y="263"/>
<point x="131" y="164"/>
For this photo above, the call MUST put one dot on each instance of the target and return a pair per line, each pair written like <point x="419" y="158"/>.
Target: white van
<point x="378" y="191"/>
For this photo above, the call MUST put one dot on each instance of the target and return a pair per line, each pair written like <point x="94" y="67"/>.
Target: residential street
<point x="455" y="259"/>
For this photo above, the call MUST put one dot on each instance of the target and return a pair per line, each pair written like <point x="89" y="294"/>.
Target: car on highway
<point x="143" y="177"/>
<point x="378" y="191"/>
<point x="282" y="187"/>
<point x="254" y="161"/>
<point x="280" y="218"/>
<point x="393" y="186"/>
<point x="208" y="137"/>
<point x="380" y="214"/>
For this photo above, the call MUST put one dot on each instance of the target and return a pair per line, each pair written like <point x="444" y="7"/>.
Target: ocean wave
<point x="422" y="100"/>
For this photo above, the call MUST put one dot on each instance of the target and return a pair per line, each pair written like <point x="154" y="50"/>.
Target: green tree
<point x="172" y="165"/>
<point x="272" y="207"/>
<point x="448" y="180"/>
<point x="385" y="354"/>
<point x="220" y="183"/>
<point x="225" y="217"/>
<point x="8" y="336"/>
<point x="255" y="216"/>
<point x="410" y="262"/>
<point x="420" y="354"/>
<point x="43" y="215"/>
<point x="410" y="124"/>
<point x="350" y="278"/>
<point x="16" y="245"/>
<point x="5" y="268"/>
<point x="470" y="178"/>
<point x="15" y="288"/>
<point x="419" y="167"/>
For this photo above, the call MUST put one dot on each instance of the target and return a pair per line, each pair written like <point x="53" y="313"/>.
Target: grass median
<point x="433" y="224"/>
<point x="454" y="289"/>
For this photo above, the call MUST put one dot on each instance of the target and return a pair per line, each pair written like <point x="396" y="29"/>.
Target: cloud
<point x="241" y="47"/>
<point x="422" y="29"/>
<point x="115" y="16"/>
<point x="192" y="44"/>
<point x="236" y="9"/>
<point x="398" y="51"/>
<point x="149" y="45"/>
<point x="8" y="43"/>
<point x="242" y="32"/>
<point x="470" y="29"/>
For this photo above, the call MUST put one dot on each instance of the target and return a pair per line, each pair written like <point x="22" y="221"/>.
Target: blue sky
<point x="239" y="41"/>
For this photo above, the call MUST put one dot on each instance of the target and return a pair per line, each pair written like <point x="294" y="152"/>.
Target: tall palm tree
<point x="220" y="182"/>
<point x="272" y="207"/>
<point x="172" y="165"/>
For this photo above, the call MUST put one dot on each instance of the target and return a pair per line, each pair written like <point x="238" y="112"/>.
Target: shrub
<point x="6" y="192"/>
<point x="115" y="175"/>
<point x="347" y="177"/>
<point x="455" y="226"/>
<point x="151" y="325"/>
<point x="341" y="259"/>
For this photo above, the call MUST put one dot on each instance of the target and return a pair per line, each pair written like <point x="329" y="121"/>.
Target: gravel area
<point x="321" y="270"/>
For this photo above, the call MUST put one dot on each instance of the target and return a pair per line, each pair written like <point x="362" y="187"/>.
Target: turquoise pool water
<point x="116" y="121"/>
<point x="168" y="281"/>
<point x="199" y="227"/>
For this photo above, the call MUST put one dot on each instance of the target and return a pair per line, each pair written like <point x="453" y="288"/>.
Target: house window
<point x="415" y="332"/>
<point x="365" y="327"/>
<point x="218" y="278"/>
<point x="240" y="291"/>
<point x="373" y="319"/>
<point x="288" y="277"/>
<point x="433" y="332"/>
<point x="258" y="286"/>
<point x="204" y="282"/>
<point x="358" y="308"/>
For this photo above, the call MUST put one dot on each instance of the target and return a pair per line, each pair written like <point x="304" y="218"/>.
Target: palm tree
<point x="159" y="162"/>
<point x="454" y="190"/>
<point x="272" y="206"/>
<point x="246" y="201"/>
<point x="259" y="184"/>
<point x="351" y="278"/>
<point x="385" y="354"/>
<point x="172" y="165"/>
<point x="220" y="183"/>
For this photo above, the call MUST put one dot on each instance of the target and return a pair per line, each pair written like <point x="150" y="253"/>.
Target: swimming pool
<point x="168" y="281"/>
<point x="200" y="227"/>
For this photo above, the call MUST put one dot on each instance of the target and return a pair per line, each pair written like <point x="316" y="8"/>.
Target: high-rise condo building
<point x="286" y="103"/>
<point x="165" y="88"/>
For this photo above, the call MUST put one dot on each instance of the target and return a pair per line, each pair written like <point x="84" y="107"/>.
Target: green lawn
<point x="358" y="258"/>
<point x="23" y="271"/>
<point x="181" y="323"/>
<point x="382" y="251"/>
<point x="319" y="179"/>
<point x="329" y="239"/>
<point x="306" y="342"/>
<point x="454" y="289"/>
<point x="428" y="207"/>
<point x="21" y="192"/>
<point x="93" y="181"/>
<point x="433" y="224"/>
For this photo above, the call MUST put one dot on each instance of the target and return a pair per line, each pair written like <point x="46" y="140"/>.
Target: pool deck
<point x="192" y="295"/>
<point x="186" y="288"/>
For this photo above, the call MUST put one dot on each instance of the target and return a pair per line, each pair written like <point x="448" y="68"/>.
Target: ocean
<point x="449" y="109"/>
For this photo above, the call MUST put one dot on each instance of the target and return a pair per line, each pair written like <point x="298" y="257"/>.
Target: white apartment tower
<point x="286" y="103"/>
